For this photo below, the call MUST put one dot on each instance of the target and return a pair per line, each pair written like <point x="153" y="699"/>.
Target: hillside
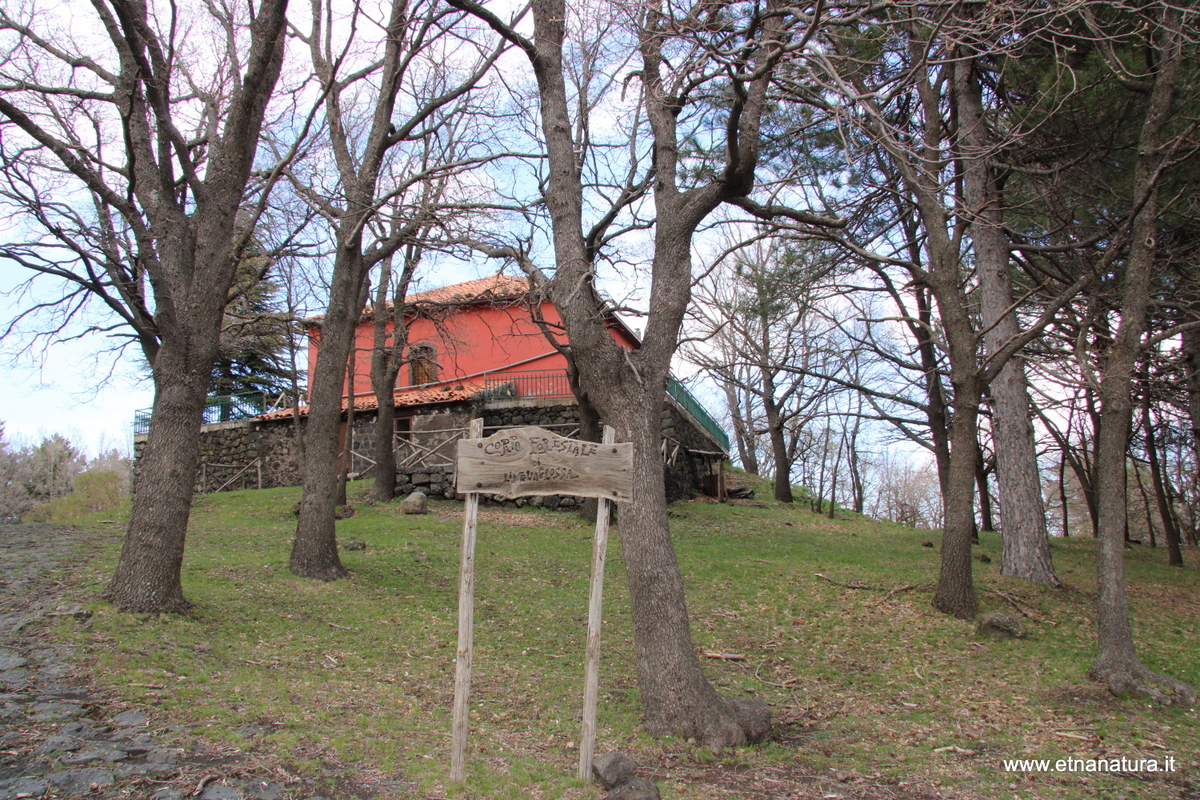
<point x="874" y="695"/>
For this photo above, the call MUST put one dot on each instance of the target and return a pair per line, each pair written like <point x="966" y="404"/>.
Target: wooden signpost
<point x="520" y="462"/>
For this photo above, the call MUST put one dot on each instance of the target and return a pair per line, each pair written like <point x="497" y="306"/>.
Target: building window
<point x="422" y="364"/>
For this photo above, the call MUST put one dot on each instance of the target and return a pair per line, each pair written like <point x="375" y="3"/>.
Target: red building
<point x="468" y="337"/>
<point x="475" y="349"/>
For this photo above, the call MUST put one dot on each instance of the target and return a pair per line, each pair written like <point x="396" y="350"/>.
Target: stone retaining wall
<point x="248" y="454"/>
<point x="229" y="451"/>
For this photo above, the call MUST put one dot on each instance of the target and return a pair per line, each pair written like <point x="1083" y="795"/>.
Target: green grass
<point x="871" y="687"/>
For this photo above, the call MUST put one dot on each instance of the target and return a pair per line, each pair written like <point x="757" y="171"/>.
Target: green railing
<point x="548" y="383"/>
<point x="216" y="409"/>
<point x="553" y="383"/>
<point x="141" y="421"/>
<point x="697" y="411"/>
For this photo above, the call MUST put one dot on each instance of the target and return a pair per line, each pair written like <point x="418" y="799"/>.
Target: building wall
<point x="485" y="337"/>
<point x="476" y="339"/>
<point x="249" y="454"/>
<point x="243" y="454"/>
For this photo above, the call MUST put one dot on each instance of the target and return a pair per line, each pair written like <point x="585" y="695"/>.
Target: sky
<point x="62" y="397"/>
<point x="65" y="388"/>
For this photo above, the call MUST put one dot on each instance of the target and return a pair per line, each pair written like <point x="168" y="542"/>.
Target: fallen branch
<point x="726" y="656"/>
<point x="1023" y="611"/>
<point x="205" y="781"/>
<point x="955" y="749"/>
<point x="900" y="589"/>
<point x="848" y="585"/>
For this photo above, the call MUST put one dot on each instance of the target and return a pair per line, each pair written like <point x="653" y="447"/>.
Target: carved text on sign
<point x="534" y="461"/>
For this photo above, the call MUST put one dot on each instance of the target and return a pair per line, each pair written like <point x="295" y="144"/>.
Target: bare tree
<point x="764" y="332"/>
<point x="682" y="51"/>
<point x="1165" y="30"/>
<point x="35" y="474"/>
<point x="906" y="492"/>
<point x="130" y="152"/>
<point x="424" y="76"/>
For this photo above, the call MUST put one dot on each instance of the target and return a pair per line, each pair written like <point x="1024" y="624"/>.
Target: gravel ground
<point x="60" y="736"/>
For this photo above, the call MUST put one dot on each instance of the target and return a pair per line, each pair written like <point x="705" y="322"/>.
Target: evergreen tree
<point x="253" y="355"/>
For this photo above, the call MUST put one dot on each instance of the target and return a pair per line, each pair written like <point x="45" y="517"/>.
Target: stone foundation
<point x="250" y="454"/>
<point x="243" y="454"/>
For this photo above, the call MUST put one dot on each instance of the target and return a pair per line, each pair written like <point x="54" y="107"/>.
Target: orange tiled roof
<point x="405" y="398"/>
<point x="493" y="287"/>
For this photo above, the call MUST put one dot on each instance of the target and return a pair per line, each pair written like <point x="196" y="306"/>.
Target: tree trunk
<point x="1191" y="361"/>
<point x="1026" y="542"/>
<point x="955" y="593"/>
<point x="819" y="501"/>
<point x="833" y="481"/>
<point x="1116" y="662"/>
<point x="676" y="696"/>
<point x="147" y="579"/>
<point x="385" y="360"/>
<point x="314" y="551"/>
<point x="1116" y="653"/>
<point x="386" y="363"/>
<point x="1062" y="495"/>
<point x="590" y="430"/>
<point x="985" y="496"/>
<point x="348" y="439"/>
<point x="1137" y="474"/>
<point x="383" y="489"/>
<point x="855" y="464"/>
<point x="747" y="453"/>
<point x="937" y="410"/>
<point x="783" y="472"/>
<point x="1170" y="530"/>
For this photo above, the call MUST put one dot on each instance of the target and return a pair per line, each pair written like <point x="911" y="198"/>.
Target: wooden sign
<point x="520" y="462"/>
<point x="534" y="461"/>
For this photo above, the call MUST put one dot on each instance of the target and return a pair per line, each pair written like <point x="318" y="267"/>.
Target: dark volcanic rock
<point x="635" y="789"/>
<point x="612" y="769"/>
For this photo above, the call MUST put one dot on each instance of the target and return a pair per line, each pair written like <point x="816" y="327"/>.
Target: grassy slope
<point x="874" y="694"/>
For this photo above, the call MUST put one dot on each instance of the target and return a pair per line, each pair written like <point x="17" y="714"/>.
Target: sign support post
<point x="466" y="630"/>
<point x="591" y="673"/>
<point x="533" y="461"/>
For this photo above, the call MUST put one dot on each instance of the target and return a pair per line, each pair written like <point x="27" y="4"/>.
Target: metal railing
<point x="509" y="385"/>
<point x="221" y="409"/>
<point x="692" y="406"/>
<point x="554" y="383"/>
